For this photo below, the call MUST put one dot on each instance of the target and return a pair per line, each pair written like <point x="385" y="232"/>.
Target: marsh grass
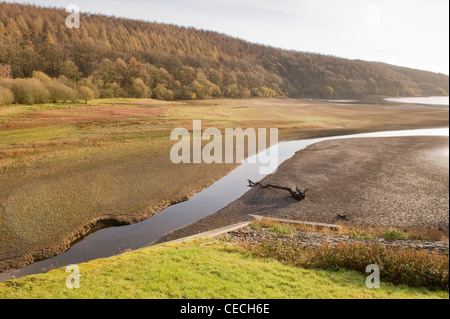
<point x="395" y="234"/>
<point x="357" y="232"/>
<point x="412" y="233"/>
<point x="279" y="229"/>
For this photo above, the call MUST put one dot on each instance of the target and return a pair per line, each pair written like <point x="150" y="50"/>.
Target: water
<point x="431" y="100"/>
<point x="115" y="240"/>
<point x="341" y="101"/>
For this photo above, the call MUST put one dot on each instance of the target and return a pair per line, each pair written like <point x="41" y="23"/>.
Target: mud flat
<point x="67" y="172"/>
<point x="400" y="182"/>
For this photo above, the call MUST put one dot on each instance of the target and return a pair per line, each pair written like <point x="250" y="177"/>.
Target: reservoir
<point x="112" y="241"/>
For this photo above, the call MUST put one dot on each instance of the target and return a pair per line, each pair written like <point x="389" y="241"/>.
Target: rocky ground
<point x="314" y="239"/>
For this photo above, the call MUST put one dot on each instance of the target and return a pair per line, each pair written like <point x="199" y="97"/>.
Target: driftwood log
<point x="296" y="193"/>
<point x="342" y="217"/>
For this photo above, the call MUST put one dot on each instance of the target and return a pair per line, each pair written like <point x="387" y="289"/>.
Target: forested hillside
<point x="114" y="57"/>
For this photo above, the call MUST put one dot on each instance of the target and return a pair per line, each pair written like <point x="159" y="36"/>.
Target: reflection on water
<point x="340" y="101"/>
<point x="443" y="152"/>
<point x="115" y="240"/>
<point x="431" y="100"/>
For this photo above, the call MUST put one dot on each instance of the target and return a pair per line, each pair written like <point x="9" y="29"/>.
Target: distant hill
<point x="118" y="57"/>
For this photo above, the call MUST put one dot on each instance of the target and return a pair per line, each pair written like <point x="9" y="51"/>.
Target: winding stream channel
<point x="111" y="241"/>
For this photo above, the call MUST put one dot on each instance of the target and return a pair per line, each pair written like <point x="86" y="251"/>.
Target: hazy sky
<point x="413" y="33"/>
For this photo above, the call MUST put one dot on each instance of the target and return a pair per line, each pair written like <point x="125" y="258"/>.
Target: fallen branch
<point x="297" y="193"/>
<point x="343" y="217"/>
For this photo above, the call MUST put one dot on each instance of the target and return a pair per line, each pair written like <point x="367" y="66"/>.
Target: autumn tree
<point x="184" y="63"/>
<point x="85" y="94"/>
<point x="5" y="71"/>
<point x="6" y="96"/>
<point x="139" y="89"/>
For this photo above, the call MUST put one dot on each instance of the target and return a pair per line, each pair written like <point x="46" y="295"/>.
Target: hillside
<point x="117" y="57"/>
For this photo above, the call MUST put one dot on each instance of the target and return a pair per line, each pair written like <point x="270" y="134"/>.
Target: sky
<point x="411" y="33"/>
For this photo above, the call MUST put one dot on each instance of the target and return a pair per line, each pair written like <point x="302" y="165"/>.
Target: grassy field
<point x="64" y="168"/>
<point x="194" y="270"/>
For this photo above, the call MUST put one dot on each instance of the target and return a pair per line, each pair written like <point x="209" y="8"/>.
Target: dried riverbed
<point x="400" y="182"/>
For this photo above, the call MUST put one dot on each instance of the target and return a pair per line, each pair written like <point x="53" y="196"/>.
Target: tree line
<point x="113" y="57"/>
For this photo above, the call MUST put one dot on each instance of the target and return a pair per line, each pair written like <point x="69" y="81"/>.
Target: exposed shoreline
<point x="314" y="239"/>
<point x="102" y="222"/>
<point x="355" y="185"/>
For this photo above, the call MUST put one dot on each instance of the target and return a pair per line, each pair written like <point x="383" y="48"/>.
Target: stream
<point x="112" y="241"/>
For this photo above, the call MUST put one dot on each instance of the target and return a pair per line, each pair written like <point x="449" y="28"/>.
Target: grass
<point x="398" y="265"/>
<point x="279" y="229"/>
<point x="395" y="234"/>
<point x="357" y="234"/>
<point x="196" y="271"/>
